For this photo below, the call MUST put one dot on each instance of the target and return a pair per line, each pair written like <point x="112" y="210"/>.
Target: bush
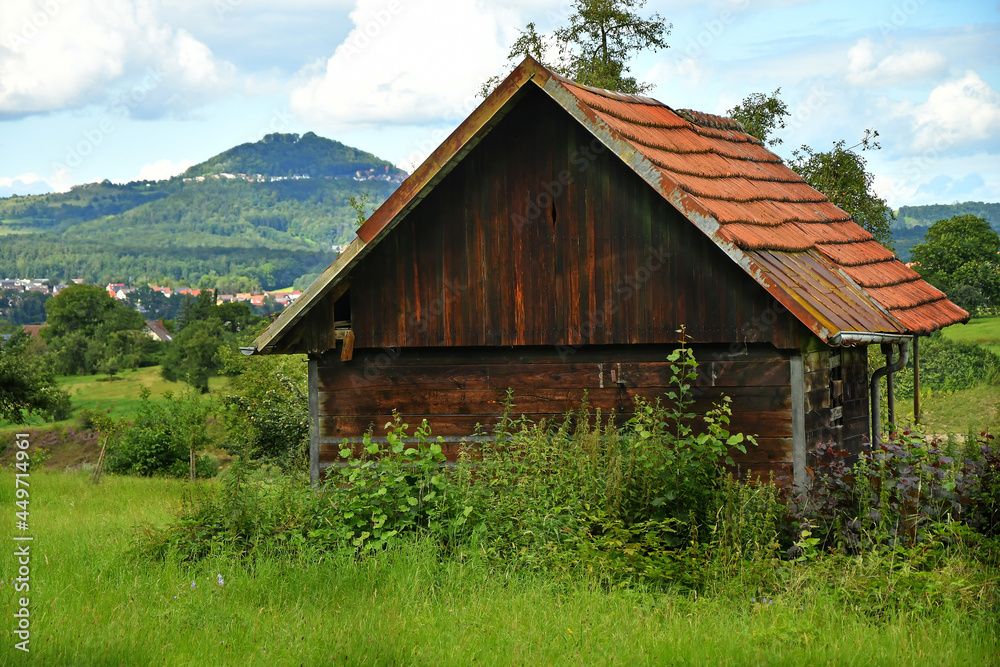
<point x="160" y="439"/>
<point x="898" y="494"/>
<point x="947" y="365"/>
<point x="266" y="411"/>
<point x="648" y="499"/>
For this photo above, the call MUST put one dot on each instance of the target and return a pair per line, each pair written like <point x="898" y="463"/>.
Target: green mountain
<point x="218" y="219"/>
<point x="912" y="222"/>
<point x="927" y="215"/>
<point x="287" y="155"/>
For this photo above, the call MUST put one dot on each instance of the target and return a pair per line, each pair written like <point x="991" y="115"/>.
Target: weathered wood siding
<point x="458" y="389"/>
<point x="854" y="375"/>
<point x="540" y="237"/>
<point x="836" y="396"/>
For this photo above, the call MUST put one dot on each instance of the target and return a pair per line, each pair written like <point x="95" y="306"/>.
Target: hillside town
<point x="15" y="293"/>
<point x="372" y="174"/>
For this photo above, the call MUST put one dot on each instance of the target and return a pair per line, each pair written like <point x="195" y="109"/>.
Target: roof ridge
<point x="629" y="98"/>
<point x="715" y="121"/>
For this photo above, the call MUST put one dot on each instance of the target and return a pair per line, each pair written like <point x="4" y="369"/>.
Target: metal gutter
<point x="866" y="338"/>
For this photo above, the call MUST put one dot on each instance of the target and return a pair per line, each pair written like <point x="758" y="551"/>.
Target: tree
<point x="959" y="256"/>
<point x="761" y="115"/>
<point x="27" y="383"/>
<point x="603" y="35"/>
<point x="595" y="47"/>
<point x="89" y="330"/>
<point x="840" y="173"/>
<point x="191" y="355"/>
<point x="202" y="327"/>
<point x="82" y="308"/>
<point x="265" y="408"/>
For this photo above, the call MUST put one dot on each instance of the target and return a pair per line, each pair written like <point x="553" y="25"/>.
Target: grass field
<point x="981" y="330"/>
<point x="120" y="397"/>
<point x="976" y="409"/>
<point x="93" y="604"/>
<point x="117" y="398"/>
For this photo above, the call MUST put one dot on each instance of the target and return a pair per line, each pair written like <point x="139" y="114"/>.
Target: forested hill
<point x="912" y="222"/>
<point x="927" y="215"/>
<point x="288" y="155"/>
<point x="244" y="230"/>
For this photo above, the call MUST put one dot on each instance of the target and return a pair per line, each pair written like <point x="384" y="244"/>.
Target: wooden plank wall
<point x="535" y="239"/>
<point x="836" y="396"/>
<point x="816" y="371"/>
<point x="458" y="389"/>
<point x="854" y="364"/>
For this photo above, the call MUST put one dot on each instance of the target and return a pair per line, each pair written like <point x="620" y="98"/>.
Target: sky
<point x="142" y="89"/>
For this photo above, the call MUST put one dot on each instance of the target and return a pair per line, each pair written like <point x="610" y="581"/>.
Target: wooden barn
<point x="557" y="241"/>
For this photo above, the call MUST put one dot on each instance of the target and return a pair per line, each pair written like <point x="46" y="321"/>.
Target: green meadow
<point x="92" y="601"/>
<point x="981" y="330"/>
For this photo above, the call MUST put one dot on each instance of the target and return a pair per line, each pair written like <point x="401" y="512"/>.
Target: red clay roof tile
<point x="767" y="210"/>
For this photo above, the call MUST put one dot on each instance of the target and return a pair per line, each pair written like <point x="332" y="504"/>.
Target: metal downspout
<point x="899" y="364"/>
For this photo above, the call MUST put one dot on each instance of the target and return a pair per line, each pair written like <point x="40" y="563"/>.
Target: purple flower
<point x="221" y="582"/>
<point x="192" y="584"/>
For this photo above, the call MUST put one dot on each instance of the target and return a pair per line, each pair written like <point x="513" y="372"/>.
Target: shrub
<point x="647" y="499"/>
<point x="265" y="411"/>
<point x="899" y="493"/>
<point x="947" y="365"/>
<point x="160" y="440"/>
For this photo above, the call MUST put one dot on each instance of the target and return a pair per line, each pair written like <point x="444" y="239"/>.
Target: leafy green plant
<point x="898" y="494"/>
<point x="162" y="440"/>
<point x="265" y="409"/>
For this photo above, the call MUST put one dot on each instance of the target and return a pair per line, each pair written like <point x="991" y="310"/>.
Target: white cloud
<point x="62" y="54"/>
<point x="24" y="184"/>
<point x="957" y="113"/>
<point x="865" y="69"/>
<point x="163" y="169"/>
<point x="406" y="63"/>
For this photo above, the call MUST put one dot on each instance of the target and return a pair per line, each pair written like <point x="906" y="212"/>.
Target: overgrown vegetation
<point x="647" y="504"/>
<point x="164" y="438"/>
<point x="418" y="603"/>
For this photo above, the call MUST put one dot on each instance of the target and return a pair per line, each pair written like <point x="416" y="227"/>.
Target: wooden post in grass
<point x="916" y="382"/>
<point x="100" y="460"/>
